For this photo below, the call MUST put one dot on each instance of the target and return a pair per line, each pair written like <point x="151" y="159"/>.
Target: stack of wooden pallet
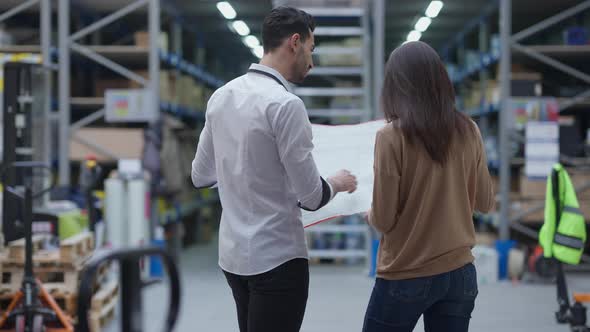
<point x="60" y="271"/>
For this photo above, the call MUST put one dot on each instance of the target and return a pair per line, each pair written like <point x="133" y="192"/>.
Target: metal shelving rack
<point x="360" y="29"/>
<point x="363" y="29"/>
<point x="115" y="58"/>
<point x="553" y="56"/>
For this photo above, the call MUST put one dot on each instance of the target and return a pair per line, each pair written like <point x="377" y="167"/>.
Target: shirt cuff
<point x="332" y="193"/>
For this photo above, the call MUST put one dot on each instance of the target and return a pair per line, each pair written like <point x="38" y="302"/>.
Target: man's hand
<point x="343" y="181"/>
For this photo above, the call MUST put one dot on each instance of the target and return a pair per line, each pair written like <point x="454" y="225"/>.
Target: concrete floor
<point x="338" y="299"/>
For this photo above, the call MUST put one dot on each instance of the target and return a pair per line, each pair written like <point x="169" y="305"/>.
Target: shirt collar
<point x="274" y="73"/>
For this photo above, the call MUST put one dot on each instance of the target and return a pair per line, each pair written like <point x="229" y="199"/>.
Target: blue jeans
<point x="446" y="301"/>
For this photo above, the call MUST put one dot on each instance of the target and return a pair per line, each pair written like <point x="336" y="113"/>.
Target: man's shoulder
<point x="272" y="93"/>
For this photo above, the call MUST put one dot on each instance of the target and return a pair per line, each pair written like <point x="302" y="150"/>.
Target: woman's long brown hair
<point x="418" y="92"/>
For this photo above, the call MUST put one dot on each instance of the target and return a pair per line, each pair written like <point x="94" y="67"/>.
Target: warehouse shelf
<point x="185" y="210"/>
<point x="138" y="56"/>
<point x="188" y="68"/>
<point x="334" y="253"/>
<point x="334" y="12"/>
<point x="183" y="112"/>
<point x="482" y="111"/>
<point x="338" y="50"/>
<point x="87" y="102"/>
<point x="329" y="92"/>
<point x="338" y="31"/>
<point x="486" y="60"/>
<point x="20" y="49"/>
<point x="559" y="52"/>
<point x="563" y="52"/>
<point x="338" y="229"/>
<point x="335" y="112"/>
<point x="180" y="111"/>
<point x="337" y="71"/>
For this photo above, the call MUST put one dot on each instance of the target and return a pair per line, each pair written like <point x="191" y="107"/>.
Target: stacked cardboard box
<point x="533" y="193"/>
<point x="142" y="39"/>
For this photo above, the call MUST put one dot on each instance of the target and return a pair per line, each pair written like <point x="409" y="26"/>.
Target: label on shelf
<point x="542" y="148"/>
<point x="130" y="106"/>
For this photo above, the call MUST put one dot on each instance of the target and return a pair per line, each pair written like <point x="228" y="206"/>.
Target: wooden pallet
<point x="105" y="295"/>
<point x="55" y="277"/>
<point x="103" y="307"/>
<point x="77" y="248"/>
<point x="16" y="249"/>
<point x="72" y="251"/>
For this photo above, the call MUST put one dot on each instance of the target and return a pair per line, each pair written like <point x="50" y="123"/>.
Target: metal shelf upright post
<point x="69" y="43"/>
<point x="553" y="56"/>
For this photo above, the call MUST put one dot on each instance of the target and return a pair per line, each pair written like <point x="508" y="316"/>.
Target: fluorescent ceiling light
<point x="226" y="10"/>
<point x="422" y="24"/>
<point x="251" y="41"/>
<point x="414" y="35"/>
<point x="258" y="51"/>
<point x="434" y="8"/>
<point x="241" y="28"/>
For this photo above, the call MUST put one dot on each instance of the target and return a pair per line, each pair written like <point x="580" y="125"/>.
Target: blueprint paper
<point x="349" y="147"/>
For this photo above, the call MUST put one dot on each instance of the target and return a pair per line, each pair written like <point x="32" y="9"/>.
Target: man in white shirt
<point x="257" y="147"/>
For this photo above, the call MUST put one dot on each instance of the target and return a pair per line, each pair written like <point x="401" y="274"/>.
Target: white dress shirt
<point x="257" y="147"/>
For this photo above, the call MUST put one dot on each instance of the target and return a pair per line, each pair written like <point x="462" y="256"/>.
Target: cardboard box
<point x="532" y="188"/>
<point x="122" y="142"/>
<point x="536" y="189"/>
<point x="539" y="216"/>
<point x="185" y="86"/>
<point x="100" y="86"/>
<point x="165" y="83"/>
<point x="142" y="39"/>
<point x="514" y="185"/>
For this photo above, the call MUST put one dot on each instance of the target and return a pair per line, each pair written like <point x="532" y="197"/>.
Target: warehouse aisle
<point x="338" y="298"/>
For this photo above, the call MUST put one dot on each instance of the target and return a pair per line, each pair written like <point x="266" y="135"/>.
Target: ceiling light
<point x="258" y="51"/>
<point x="414" y="35"/>
<point x="241" y="28"/>
<point x="251" y="41"/>
<point x="423" y="24"/>
<point x="226" y="10"/>
<point x="434" y="8"/>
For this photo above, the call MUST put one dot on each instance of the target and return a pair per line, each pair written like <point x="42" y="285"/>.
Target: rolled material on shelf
<point x="486" y="264"/>
<point x="136" y="216"/>
<point x="115" y="212"/>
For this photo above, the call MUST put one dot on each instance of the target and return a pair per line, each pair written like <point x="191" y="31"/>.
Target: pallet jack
<point x="574" y="315"/>
<point x="32" y="309"/>
<point x="131" y="286"/>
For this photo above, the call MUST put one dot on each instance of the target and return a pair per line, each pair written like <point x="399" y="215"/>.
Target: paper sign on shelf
<point x="349" y="147"/>
<point x="130" y="106"/>
<point x="542" y="148"/>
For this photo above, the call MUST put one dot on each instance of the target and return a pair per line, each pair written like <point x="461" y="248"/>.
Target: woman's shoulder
<point x="390" y="134"/>
<point x="391" y="128"/>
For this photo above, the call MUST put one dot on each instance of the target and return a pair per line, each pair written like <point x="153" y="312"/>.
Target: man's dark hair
<point x="283" y="22"/>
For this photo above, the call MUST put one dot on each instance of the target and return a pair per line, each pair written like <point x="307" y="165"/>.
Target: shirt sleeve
<point x="203" y="171"/>
<point x="484" y="196"/>
<point x="294" y="140"/>
<point x="386" y="186"/>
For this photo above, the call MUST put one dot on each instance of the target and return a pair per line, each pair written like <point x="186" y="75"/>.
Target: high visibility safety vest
<point x="563" y="235"/>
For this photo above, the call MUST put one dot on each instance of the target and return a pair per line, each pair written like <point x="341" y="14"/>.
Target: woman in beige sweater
<point x="430" y="176"/>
